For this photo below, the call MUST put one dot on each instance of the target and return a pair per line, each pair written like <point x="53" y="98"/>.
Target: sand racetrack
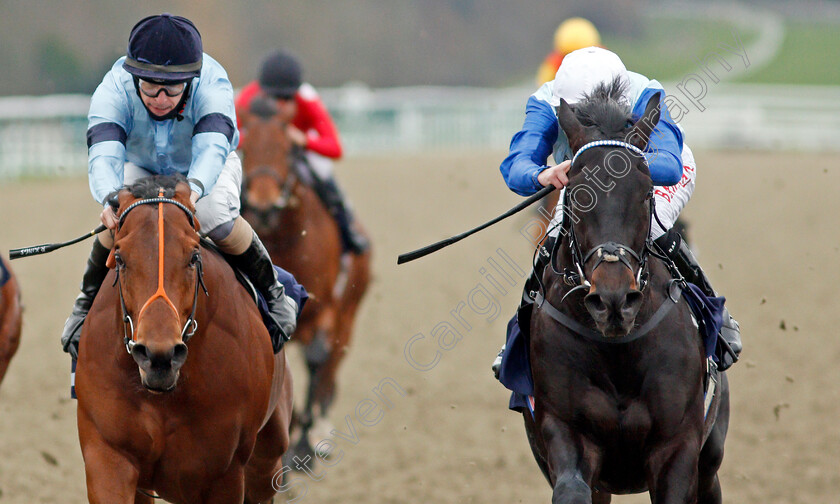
<point x="763" y="226"/>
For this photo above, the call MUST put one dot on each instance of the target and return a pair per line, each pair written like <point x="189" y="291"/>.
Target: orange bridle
<point x="191" y="324"/>
<point x="160" y="292"/>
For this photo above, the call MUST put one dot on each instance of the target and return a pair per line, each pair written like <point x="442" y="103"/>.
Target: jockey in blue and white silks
<point x="670" y="161"/>
<point x="526" y="169"/>
<point x="166" y="108"/>
<point x="195" y="143"/>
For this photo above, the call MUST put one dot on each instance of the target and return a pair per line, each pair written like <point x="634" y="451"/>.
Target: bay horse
<point x="302" y="237"/>
<point x="206" y="423"/>
<point x="11" y="316"/>
<point x="617" y="362"/>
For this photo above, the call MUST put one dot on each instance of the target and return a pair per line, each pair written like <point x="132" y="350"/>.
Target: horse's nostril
<point x="633" y="299"/>
<point x="140" y="353"/>
<point x="594" y="303"/>
<point x="179" y="355"/>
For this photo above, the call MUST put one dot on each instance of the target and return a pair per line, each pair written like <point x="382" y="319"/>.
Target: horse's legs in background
<point x="111" y="477"/>
<point x="317" y="354"/>
<point x="564" y="462"/>
<point x="711" y="455"/>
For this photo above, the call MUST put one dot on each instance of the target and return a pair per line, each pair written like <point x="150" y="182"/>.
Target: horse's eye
<point x="119" y="260"/>
<point x="195" y="258"/>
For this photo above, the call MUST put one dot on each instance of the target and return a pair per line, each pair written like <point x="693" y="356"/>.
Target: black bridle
<point x="191" y="324"/>
<point x="608" y="251"/>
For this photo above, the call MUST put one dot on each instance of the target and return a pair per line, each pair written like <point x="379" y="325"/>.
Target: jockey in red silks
<point x="527" y="169"/>
<point x="311" y="128"/>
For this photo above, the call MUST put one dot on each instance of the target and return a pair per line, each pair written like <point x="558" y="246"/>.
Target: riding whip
<point x="417" y="254"/>
<point x="49" y="247"/>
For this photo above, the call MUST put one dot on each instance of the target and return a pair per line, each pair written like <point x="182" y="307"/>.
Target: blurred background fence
<point x="45" y="136"/>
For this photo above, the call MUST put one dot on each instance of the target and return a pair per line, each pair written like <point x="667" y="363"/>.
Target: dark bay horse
<point x="617" y="362"/>
<point x="206" y="423"/>
<point x="10" y="316"/>
<point x="302" y="237"/>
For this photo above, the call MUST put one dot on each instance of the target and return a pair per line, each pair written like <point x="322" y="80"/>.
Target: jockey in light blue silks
<point x="672" y="168"/>
<point x="167" y="108"/>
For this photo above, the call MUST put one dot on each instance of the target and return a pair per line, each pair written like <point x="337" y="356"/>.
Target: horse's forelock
<point x="606" y="110"/>
<point x="150" y="187"/>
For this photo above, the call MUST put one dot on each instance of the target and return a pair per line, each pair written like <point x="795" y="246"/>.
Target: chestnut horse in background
<point x="302" y="237"/>
<point x="208" y="425"/>
<point x="10" y="317"/>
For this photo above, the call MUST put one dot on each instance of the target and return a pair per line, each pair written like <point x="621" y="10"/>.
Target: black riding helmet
<point x="165" y="49"/>
<point x="280" y="74"/>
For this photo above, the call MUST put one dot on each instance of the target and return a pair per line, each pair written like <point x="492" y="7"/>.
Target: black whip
<point x="417" y="254"/>
<point x="49" y="247"/>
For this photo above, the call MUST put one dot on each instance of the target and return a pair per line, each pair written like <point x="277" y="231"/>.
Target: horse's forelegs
<point x="672" y="472"/>
<point x="600" y="497"/>
<point x="111" y="477"/>
<point x="569" y="482"/>
<point x="229" y="488"/>
<point x="711" y="456"/>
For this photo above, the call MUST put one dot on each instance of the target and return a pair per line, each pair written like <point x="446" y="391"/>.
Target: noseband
<point x="191" y="324"/>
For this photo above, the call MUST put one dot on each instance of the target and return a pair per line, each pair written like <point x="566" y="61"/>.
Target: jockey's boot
<point x="91" y="281"/>
<point x="497" y="363"/>
<point x="256" y="264"/>
<point x="677" y="250"/>
<point x="330" y="194"/>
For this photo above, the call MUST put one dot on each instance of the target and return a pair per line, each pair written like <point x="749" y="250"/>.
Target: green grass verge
<point x="669" y="48"/>
<point x="810" y="54"/>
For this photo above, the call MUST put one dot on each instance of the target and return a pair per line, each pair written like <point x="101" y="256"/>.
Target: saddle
<point x="292" y="288"/>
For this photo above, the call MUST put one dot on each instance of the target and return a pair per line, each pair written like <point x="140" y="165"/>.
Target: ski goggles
<point x="153" y="90"/>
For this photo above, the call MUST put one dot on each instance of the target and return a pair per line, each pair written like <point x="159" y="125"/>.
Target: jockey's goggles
<point x="283" y="96"/>
<point x="153" y="90"/>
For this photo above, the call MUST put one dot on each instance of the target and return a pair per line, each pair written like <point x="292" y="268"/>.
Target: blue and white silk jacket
<point x="121" y="130"/>
<point x="541" y="136"/>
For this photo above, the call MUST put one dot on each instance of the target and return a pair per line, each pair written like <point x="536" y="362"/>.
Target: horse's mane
<point x="606" y="109"/>
<point x="150" y="187"/>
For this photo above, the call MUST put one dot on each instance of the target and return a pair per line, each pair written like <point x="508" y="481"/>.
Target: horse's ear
<point x="123" y="198"/>
<point x="570" y="124"/>
<point x="182" y="194"/>
<point x="640" y="134"/>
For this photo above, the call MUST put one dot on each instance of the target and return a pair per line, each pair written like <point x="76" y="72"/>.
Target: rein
<point x="191" y="325"/>
<point x="609" y="251"/>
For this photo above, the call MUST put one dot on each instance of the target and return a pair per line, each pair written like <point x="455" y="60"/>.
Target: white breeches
<point x="220" y="206"/>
